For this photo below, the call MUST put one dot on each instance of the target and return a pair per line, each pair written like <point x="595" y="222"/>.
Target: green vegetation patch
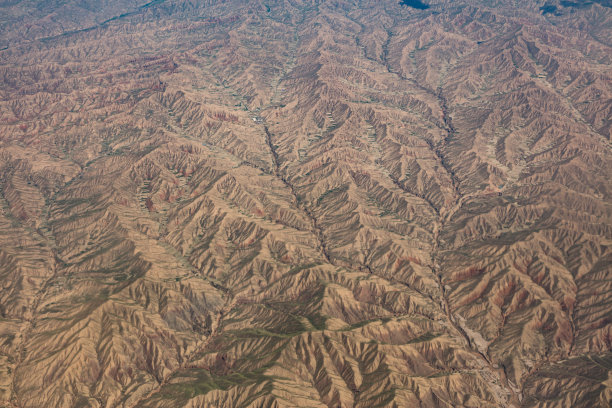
<point x="191" y="383"/>
<point x="424" y="337"/>
<point x="332" y="192"/>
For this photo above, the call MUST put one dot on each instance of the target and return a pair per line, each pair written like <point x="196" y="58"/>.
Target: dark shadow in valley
<point x="417" y="4"/>
<point x="549" y="8"/>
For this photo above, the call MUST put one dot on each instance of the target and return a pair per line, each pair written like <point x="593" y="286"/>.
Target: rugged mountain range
<point x="313" y="203"/>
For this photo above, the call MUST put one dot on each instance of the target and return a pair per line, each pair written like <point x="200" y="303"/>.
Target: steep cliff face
<point x="305" y="203"/>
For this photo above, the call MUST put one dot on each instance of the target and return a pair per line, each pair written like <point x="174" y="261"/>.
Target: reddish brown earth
<point x="305" y="203"/>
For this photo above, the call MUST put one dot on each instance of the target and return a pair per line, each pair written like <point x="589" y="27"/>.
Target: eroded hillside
<point x="305" y="203"/>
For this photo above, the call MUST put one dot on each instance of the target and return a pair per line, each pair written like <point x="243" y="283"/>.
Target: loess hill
<point x="313" y="203"/>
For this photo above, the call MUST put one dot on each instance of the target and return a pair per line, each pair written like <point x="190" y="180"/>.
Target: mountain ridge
<point x="307" y="203"/>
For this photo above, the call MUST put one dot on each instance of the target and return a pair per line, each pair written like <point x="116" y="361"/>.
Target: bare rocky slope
<point x="313" y="203"/>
